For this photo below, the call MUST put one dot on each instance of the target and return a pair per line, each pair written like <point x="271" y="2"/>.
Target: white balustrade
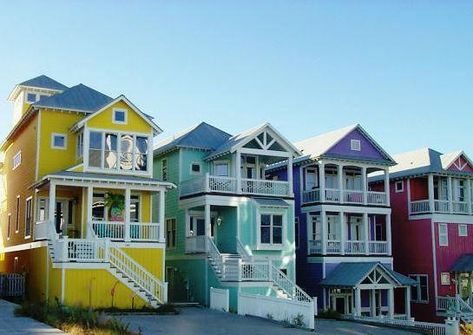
<point x="133" y="231"/>
<point x="254" y="271"/>
<point x="376" y="198"/>
<point x="353" y="196"/>
<point x="265" y="187"/>
<point x="288" y="286"/>
<point x="311" y="196"/>
<point x="460" y="207"/>
<point x="441" y="206"/>
<point x="334" y="247"/>
<point x="222" y="184"/>
<point x="420" y="206"/>
<point x="41" y="230"/>
<point x="140" y="231"/>
<point x="315" y="246"/>
<point x="195" y="244"/>
<point x="114" y="230"/>
<point x="378" y="247"/>
<point x="355" y="247"/>
<point x="332" y="195"/>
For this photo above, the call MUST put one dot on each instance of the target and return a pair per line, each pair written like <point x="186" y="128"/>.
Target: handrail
<point x="288" y="286"/>
<point x="243" y="252"/>
<point x="215" y="255"/>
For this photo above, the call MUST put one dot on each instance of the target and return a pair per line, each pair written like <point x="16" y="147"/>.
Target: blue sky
<point x="401" y="69"/>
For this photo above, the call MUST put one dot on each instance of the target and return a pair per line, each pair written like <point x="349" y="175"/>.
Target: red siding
<point x="419" y="189"/>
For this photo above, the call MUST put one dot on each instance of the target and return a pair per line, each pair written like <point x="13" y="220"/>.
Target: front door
<point x="63" y="216"/>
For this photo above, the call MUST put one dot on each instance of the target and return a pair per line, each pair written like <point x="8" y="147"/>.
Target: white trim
<point x="25" y="246"/>
<point x="261" y="210"/>
<point x="192" y="172"/>
<point x="38" y="144"/>
<point x="443" y="234"/>
<point x="53" y="146"/>
<point x="415" y="299"/>
<point x="17" y="214"/>
<point x="349" y="209"/>
<point x="396" y="183"/>
<point x="125" y="114"/>
<point x="16" y="160"/>
<point x="30" y="198"/>
<point x="355" y="145"/>
<point x="434" y="260"/>
<point x="462" y="233"/>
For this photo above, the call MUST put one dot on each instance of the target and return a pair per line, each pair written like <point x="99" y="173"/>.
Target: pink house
<point x="432" y="230"/>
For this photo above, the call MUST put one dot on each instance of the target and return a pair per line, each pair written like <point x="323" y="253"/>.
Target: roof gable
<point x="456" y="161"/>
<point x="44" y="82"/>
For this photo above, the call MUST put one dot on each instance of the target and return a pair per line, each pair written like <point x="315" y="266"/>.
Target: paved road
<point x="12" y="325"/>
<point x="201" y="321"/>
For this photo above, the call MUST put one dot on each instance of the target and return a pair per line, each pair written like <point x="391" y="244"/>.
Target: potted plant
<point x="116" y="205"/>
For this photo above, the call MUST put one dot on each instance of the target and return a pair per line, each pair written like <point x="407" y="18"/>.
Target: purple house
<point x="343" y="229"/>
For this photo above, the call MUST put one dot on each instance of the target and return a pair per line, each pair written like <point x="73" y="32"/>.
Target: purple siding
<point x="368" y="150"/>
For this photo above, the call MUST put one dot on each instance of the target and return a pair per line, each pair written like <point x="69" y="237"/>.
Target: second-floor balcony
<point x="440" y="206"/>
<point x="345" y="196"/>
<point x="232" y="185"/>
<point x="349" y="247"/>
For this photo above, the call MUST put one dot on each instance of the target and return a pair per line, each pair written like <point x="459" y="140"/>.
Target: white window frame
<point x="125" y="112"/>
<point x="53" y="136"/>
<point x="80" y="145"/>
<point x="194" y="172"/>
<point x="355" y="145"/>
<point x="460" y="230"/>
<point x="9" y="226"/>
<point x="35" y="97"/>
<point x="170" y="245"/>
<point x="16" y="160"/>
<point x="30" y="200"/>
<point x="221" y="162"/>
<point x="17" y="214"/>
<point x="271" y="211"/>
<point x="418" y="299"/>
<point x="443" y="234"/>
<point x="311" y="170"/>
<point x="399" y="190"/>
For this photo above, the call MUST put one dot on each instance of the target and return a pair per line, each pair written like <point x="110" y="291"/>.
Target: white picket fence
<point x="220" y="299"/>
<point x="12" y="285"/>
<point x="276" y="308"/>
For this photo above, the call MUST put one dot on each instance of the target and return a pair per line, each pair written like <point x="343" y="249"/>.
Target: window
<point x="16" y="160"/>
<point x="42" y="209"/>
<point x="399" y="186"/>
<point x="170" y="233"/>
<point x="311" y="181"/>
<point x="443" y="235"/>
<point x="9" y="226"/>
<point x="119" y="116"/>
<point x="355" y="145"/>
<point x="17" y="215"/>
<point x="420" y="290"/>
<point x="462" y="230"/>
<point x="111" y="151"/>
<point x="164" y="170"/>
<point x="28" y="217"/>
<point x="95" y="149"/>
<point x="135" y="208"/>
<point x="445" y="278"/>
<point x="316" y="225"/>
<point x="58" y="141"/>
<point x="80" y="145"/>
<point x="271" y="229"/>
<point x="195" y="168"/>
<point x="141" y="153"/>
<point x="98" y="207"/>
<point x="459" y="189"/>
<point x="221" y="169"/>
<point x="297" y="235"/>
<point x="31" y="97"/>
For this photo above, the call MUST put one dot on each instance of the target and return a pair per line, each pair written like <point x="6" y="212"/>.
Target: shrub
<point x="329" y="314"/>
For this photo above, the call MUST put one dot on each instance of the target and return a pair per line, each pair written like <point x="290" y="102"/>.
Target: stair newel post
<point x="165" y="292"/>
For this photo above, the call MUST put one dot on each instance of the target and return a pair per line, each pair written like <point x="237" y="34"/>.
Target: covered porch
<point x="365" y="289"/>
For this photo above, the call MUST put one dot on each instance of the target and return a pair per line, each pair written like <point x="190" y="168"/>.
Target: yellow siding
<point x="151" y="259"/>
<point x="53" y="160"/>
<point x="135" y="122"/>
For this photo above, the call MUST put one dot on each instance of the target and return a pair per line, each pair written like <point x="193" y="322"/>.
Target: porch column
<point x="388" y="234"/>
<point x="52" y="204"/>
<point x="161" y="212"/>
<point x="323" y="231"/>
<point x="450" y="194"/>
<point x="364" y="185"/>
<point x="342" y="232"/>
<point x="387" y="189"/>
<point x="380" y="302"/>
<point x="90" y="201"/>
<point x="391" y="303"/>
<point x="408" y="183"/>
<point x="366" y="228"/>
<point x="357" y="310"/>
<point x="322" y="181"/>
<point x="407" y="302"/>
<point x="340" y="182"/>
<point x="468" y="192"/>
<point x="290" y="176"/>
<point x="324" y="297"/>
<point x="333" y="302"/>
<point x="208" y="231"/>
<point x="430" y="182"/>
<point x="372" y="302"/>
<point x="238" y="171"/>
<point x="127" y="214"/>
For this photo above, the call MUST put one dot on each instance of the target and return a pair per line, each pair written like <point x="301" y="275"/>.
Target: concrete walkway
<point x="201" y="321"/>
<point x="12" y="325"/>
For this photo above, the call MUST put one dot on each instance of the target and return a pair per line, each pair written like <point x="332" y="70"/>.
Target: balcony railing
<point x="351" y="247"/>
<point x="354" y="197"/>
<point x="196" y="244"/>
<point x="355" y="247"/>
<point x="440" y="206"/>
<point x="347" y="196"/>
<point x="132" y="231"/>
<point x="217" y="184"/>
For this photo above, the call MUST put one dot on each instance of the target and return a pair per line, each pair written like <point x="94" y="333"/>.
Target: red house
<point x="432" y="230"/>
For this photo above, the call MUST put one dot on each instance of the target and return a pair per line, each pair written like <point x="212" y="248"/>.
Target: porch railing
<point x="332" y="194"/>
<point x="377" y="198"/>
<point x="311" y="196"/>
<point x="355" y="247"/>
<point x="440" y="206"/>
<point x="378" y="247"/>
<point x="420" y="206"/>
<point x="333" y="247"/>
<point x="354" y="197"/>
<point x="350" y="247"/>
<point x="132" y="231"/>
<point x="196" y="244"/>
<point x="460" y="207"/>
<point x="348" y="196"/>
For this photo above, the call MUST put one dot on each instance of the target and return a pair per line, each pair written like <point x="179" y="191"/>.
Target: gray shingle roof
<point x="351" y="274"/>
<point x="44" y="82"/>
<point x="78" y="98"/>
<point x="202" y="136"/>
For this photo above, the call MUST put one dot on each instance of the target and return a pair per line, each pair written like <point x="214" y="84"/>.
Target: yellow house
<point x="76" y="200"/>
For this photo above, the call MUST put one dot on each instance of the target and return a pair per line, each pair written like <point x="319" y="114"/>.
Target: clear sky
<point x="402" y="69"/>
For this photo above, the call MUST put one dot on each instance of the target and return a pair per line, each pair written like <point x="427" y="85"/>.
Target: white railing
<point x="441" y="206"/>
<point x="220" y="299"/>
<point x="215" y="256"/>
<point x="333" y="247"/>
<point x="353" y="196"/>
<point x="332" y="194"/>
<point x="311" y="196"/>
<point x="79" y="250"/>
<point x="376" y="198"/>
<point x="460" y="207"/>
<point x="221" y="184"/>
<point x="355" y="247"/>
<point x="146" y="232"/>
<point x="288" y="286"/>
<point x="433" y="328"/>
<point x="254" y="271"/>
<point x="138" y="274"/>
<point x="378" y="247"/>
<point x="447" y="304"/>
<point x="114" y="230"/>
<point x="192" y="186"/>
<point x="420" y="206"/>
<point x="315" y="246"/>
<point x="132" y="231"/>
<point x="195" y="244"/>
<point x="244" y="252"/>
<point x="41" y="230"/>
<point x="265" y="187"/>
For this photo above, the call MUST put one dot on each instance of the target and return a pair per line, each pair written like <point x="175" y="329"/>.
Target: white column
<point x="388" y="234"/>
<point x="387" y="189"/>
<point x="88" y="219"/>
<point x="366" y="228"/>
<point x="408" y="183"/>
<point x="290" y="176"/>
<point x="342" y="232"/>
<point x="391" y="303"/>
<point x="407" y="302"/>
<point x="450" y="194"/>
<point x="323" y="231"/>
<point x="372" y="302"/>
<point x="468" y="193"/>
<point x="334" y="302"/>
<point x="357" y="310"/>
<point x="329" y="298"/>
<point x="161" y="213"/>
<point x="208" y="228"/>
<point x="340" y="182"/>
<point x="238" y="171"/>
<point x="324" y="297"/>
<point x="322" y="181"/>
<point x="430" y="182"/>
<point x="364" y="185"/>
<point x="127" y="214"/>
<point x="52" y="203"/>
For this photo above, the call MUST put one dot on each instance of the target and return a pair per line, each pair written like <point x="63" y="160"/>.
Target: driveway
<point x="12" y="325"/>
<point x="201" y="321"/>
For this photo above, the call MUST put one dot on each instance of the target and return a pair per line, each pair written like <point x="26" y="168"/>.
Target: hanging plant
<point x="116" y="204"/>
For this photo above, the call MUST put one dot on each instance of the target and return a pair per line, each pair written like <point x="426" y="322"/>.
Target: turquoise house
<point x="228" y="225"/>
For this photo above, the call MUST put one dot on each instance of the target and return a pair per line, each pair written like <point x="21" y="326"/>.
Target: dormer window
<point x="31" y="97"/>
<point x="355" y="145"/>
<point x="119" y="116"/>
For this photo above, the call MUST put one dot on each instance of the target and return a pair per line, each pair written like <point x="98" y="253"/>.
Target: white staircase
<point x="455" y="306"/>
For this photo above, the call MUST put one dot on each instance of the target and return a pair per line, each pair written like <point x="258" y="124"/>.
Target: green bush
<point x="329" y="314"/>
